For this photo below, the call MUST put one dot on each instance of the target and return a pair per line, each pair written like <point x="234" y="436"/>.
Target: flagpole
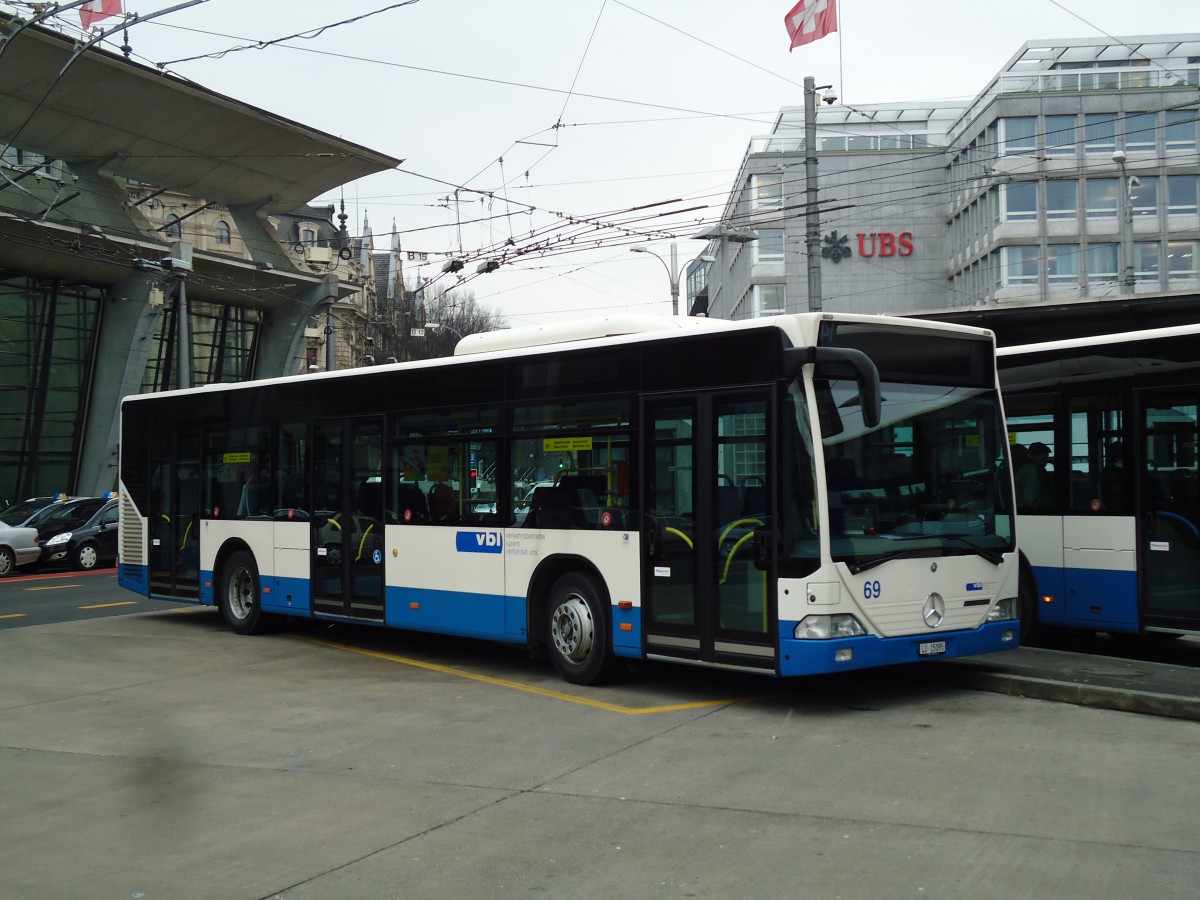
<point x="812" y="222"/>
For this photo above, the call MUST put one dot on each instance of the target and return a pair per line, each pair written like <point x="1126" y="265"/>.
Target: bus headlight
<point x="1003" y="610"/>
<point x="822" y="628"/>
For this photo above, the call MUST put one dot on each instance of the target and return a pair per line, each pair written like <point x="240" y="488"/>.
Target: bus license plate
<point x="932" y="648"/>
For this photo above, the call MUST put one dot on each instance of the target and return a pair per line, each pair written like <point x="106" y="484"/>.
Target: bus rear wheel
<point x="577" y="630"/>
<point x="239" y="596"/>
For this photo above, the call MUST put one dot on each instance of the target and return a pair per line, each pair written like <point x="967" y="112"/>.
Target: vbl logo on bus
<point x="478" y="542"/>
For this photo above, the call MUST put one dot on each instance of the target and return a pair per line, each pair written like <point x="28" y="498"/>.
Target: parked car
<point x="58" y="518"/>
<point x="19" y="513"/>
<point x="18" y="547"/>
<point x="81" y="544"/>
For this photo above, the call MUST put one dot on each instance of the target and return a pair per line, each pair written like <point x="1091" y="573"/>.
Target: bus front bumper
<point x="815" y="657"/>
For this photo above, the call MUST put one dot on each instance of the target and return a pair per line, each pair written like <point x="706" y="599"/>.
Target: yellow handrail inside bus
<point x="687" y="540"/>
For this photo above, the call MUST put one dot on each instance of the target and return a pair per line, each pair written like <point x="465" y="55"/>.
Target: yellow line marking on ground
<point x="54" y="587"/>
<point x="527" y="688"/>
<point x="13" y="616"/>
<point x="107" y="605"/>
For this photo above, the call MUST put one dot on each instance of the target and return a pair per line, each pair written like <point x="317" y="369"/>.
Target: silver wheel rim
<point x="6" y="563"/>
<point x="240" y="593"/>
<point x="572" y="629"/>
<point x="88" y="557"/>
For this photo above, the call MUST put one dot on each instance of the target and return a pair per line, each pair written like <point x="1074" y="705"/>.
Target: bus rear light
<point x="822" y="628"/>
<point x="414" y="605"/>
<point x="1046" y="598"/>
<point x="624" y="604"/>
<point x="627" y="626"/>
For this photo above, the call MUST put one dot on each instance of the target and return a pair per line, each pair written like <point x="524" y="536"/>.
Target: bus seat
<point x="410" y="502"/>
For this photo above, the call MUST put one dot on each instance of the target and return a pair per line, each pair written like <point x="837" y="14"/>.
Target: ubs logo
<point x="478" y="542"/>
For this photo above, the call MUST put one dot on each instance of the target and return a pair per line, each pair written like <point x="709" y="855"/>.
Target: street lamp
<point x="674" y="273"/>
<point x="437" y="325"/>
<point x="1128" y="183"/>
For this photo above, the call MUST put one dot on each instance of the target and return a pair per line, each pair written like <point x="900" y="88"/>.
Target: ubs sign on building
<point x="1072" y="176"/>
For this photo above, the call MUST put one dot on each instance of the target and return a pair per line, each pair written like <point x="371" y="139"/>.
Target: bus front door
<point x="347" y="522"/>
<point x="707" y="557"/>
<point x="1170" y="544"/>
<point x="174" y="534"/>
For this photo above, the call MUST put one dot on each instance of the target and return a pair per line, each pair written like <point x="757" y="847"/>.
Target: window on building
<point x="1181" y="130"/>
<point x="1100" y="133"/>
<point x="1060" y="135"/>
<point x="1062" y="264"/>
<point x="1102" y="264"/>
<point x="221" y="233"/>
<point x="1021" y="265"/>
<point x="1101" y="195"/>
<point x="766" y="190"/>
<point x="1020" y="201"/>
<point x="308" y="235"/>
<point x="1181" y="260"/>
<point x="1062" y="198"/>
<point x="1146" y="261"/>
<point x="173" y="229"/>
<point x="1182" y="191"/>
<point x="769" y="300"/>
<point x="1143" y="197"/>
<point x="769" y="246"/>
<point x="1019" y="135"/>
<point x="1140" y="132"/>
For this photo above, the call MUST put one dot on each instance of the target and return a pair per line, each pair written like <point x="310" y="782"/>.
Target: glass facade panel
<point x="1143" y="197"/>
<point x="1182" y="191"/>
<point x="222" y="346"/>
<point x="1060" y="135"/>
<point x="1062" y="264"/>
<point x="1140" y="132"/>
<point x="1146" y="261"/>
<point x="1020" y="201"/>
<point x="1100" y="133"/>
<point x="1020" y="265"/>
<point x="769" y="246"/>
<point x="767" y="190"/>
<point x="1062" y="198"/>
<point x="1102" y="264"/>
<point x="1020" y="133"/>
<point x="1181" y="130"/>
<point x="1181" y="259"/>
<point x="1101" y="196"/>
<point x="45" y="377"/>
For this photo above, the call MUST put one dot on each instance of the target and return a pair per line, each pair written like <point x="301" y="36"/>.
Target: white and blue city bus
<point x="801" y="494"/>
<point x="1113" y="542"/>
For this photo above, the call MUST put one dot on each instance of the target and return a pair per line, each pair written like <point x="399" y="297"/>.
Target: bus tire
<point x="577" y="635"/>
<point x="239" y="594"/>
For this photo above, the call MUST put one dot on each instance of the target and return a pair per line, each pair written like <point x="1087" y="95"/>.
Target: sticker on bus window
<point x="662" y="571"/>
<point x="553" y="444"/>
<point x="243" y="457"/>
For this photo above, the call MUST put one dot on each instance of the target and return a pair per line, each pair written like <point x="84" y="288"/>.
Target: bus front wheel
<point x="577" y="632"/>
<point x="239" y="596"/>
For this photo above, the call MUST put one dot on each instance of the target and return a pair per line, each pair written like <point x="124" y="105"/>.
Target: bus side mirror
<point x="841" y="362"/>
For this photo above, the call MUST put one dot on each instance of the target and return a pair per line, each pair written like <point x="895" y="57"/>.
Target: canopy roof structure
<point x="134" y="121"/>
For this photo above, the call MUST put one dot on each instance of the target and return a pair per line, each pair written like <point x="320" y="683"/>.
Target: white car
<point x="18" y="547"/>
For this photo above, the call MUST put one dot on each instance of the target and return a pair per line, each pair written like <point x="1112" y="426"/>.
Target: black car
<point x="20" y="513"/>
<point x="80" y="533"/>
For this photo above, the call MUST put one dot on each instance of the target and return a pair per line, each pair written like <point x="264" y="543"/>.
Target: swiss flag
<point x="810" y="20"/>
<point x="95" y="10"/>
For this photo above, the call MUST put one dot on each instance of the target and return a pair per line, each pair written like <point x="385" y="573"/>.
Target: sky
<point x="556" y="135"/>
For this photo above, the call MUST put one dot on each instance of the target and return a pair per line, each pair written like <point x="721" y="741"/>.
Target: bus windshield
<point x="930" y="480"/>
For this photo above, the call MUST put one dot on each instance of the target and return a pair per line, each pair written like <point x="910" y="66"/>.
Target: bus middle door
<point x="347" y="523"/>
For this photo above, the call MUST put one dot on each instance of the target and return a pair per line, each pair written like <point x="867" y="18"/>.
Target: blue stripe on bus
<point x="817" y="657"/>
<point x="627" y="641"/>
<point x="134" y="577"/>
<point x="292" y="596"/>
<point x="1099" y="599"/>
<point x="492" y="616"/>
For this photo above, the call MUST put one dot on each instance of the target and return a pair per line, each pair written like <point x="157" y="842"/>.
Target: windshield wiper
<point x="992" y="556"/>
<point x="874" y="561"/>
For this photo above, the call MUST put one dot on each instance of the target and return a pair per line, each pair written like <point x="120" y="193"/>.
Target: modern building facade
<point x="152" y="234"/>
<point x="1073" y="177"/>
